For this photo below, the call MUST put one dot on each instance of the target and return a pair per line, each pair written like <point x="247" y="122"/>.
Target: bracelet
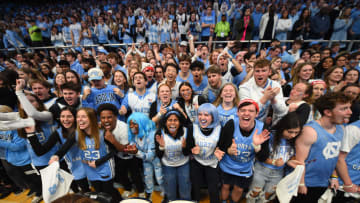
<point x="348" y="186"/>
<point x="159" y="114"/>
<point x="301" y="185"/>
<point x="273" y="162"/>
<point x="30" y="134"/>
<point x="161" y="148"/>
<point x="334" y="176"/>
<point x="256" y="147"/>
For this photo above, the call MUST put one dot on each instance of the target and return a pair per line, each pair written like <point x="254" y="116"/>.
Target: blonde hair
<point x="219" y="100"/>
<point x="94" y="129"/>
<point x="5" y="109"/>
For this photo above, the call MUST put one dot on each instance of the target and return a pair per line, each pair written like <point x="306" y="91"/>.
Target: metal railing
<point x="328" y="43"/>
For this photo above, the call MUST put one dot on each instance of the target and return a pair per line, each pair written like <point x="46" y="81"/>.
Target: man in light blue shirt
<point x="207" y="23"/>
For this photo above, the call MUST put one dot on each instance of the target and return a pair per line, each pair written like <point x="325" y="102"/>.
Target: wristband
<point x="30" y="134"/>
<point x="348" y="186"/>
<point x="334" y="176"/>
<point x="301" y="185"/>
<point x="256" y="147"/>
<point x="159" y="114"/>
<point x="161" y="148"/>
<point x="273" y="162"/>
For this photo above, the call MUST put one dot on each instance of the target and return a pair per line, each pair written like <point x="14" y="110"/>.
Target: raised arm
<point x="30" y="110"/>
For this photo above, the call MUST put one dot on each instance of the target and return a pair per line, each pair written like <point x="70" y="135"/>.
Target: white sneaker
<point x="36" y="199"/>
<point x="118" y="185"/>
<point x="142" y="195"/>
<point x="127" y="193"/>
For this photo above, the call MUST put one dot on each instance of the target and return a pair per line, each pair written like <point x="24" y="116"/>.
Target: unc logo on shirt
<point x="104" y="98"/>
<point x="331" y="150"/>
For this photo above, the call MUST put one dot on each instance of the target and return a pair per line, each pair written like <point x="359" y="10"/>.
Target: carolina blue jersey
<point x="323" y="156"/>
<point x="207" y="20"/>
<point x="73" y="159"/>
<point x="43" y="136"/>
<point x="13" y="148"/>
<point x="241" y="164"/>
<point x="178" y="78"/>
<point x="139" y="103"/>
<point x="199" y="89"/>
<point x="353" y="159"/>
<point x="103" y="172"/>
<point x="102" y="96"/>
<point x="225" y="116"/>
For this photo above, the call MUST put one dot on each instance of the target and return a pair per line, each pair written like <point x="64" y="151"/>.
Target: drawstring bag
<point x="55" y="182"/>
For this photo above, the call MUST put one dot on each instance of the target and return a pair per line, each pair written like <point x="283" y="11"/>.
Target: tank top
<point x="241" y="164"/>
<point x="173" y="155"/>
<point x="103" y="172"/>
<point x="323" y="156"/>
<point x="207" y="146"/>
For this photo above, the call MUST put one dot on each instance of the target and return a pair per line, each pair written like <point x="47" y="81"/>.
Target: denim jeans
<point x="174" y="176"/>
<point x="266" y="178"/>
<point x="149" y="169"/>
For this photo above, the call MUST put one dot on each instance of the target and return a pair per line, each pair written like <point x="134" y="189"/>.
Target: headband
<point x="172" y="112"/>
<point x="250" y="101"/>
<point x="315" y="82"/>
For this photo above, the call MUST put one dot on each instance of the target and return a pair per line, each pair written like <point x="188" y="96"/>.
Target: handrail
<point x="350" y="42"/>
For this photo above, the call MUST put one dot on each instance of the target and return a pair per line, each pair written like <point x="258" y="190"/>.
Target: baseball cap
<point x="102" y="50"/>
<point x="183" y="43"/>
<point x="95" y="74"/>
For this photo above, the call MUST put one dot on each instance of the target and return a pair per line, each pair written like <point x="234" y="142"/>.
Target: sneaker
<point x="149" y="196"/>
<point x="127" y="193"/>
<point x="36" y="199"/>
<point x="142" y="195"/>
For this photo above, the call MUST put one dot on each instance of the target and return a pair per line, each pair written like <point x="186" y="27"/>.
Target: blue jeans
<point x="174" y="176"/>
<point x="149" y="169"/>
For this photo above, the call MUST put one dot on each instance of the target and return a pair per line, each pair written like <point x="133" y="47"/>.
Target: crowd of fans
<point x="173" y="110"/>
<point x="112" y="22"/>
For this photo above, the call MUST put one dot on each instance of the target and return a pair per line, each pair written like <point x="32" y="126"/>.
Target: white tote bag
<point x="288" y="186"/>
<point x="55" y="182"/>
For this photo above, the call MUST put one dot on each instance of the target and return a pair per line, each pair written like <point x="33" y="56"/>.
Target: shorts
<point x="240" y="181"/>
